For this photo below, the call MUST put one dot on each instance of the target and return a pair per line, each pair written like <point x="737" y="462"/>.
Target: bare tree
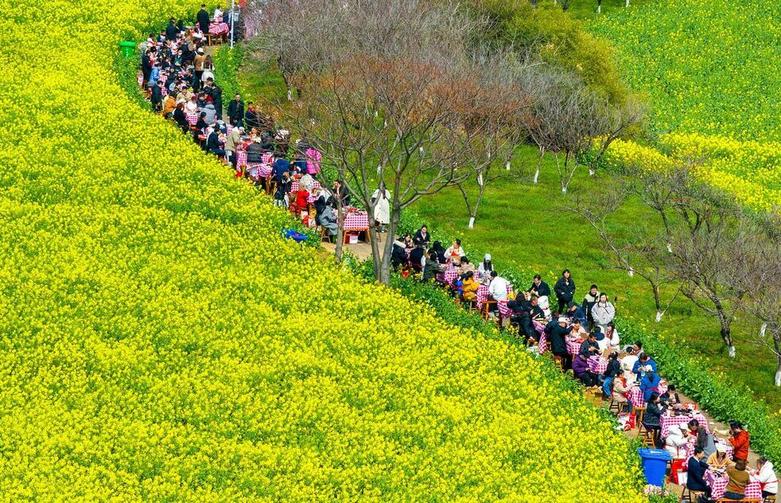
<point x="641" y="253"/>
<point x="617" y="122"/>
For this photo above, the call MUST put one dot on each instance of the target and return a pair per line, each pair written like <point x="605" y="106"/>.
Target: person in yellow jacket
<point x="169" y="105"/>
<point x="470" y="287"/>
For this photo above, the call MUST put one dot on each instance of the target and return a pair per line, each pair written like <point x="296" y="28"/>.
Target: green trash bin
<point x="128" y="47"/>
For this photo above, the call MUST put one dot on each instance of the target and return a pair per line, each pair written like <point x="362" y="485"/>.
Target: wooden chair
<point x="689" y="496"/>
<point x="770" y="499"/>
<point x="639" y="414"/>
<point x="487" y="308"/>
<point x="615" y="405"/>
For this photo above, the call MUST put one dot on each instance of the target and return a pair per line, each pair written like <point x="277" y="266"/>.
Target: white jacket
<point x="603" y="313"/>
<point x="767" y="477"/>
<point x="675" y="443"/>
<point x="498" y="288"/>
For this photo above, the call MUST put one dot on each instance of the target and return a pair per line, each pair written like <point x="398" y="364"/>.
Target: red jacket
<point x="740" y="443"/>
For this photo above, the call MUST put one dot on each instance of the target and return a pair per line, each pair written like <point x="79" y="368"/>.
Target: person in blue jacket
<point x="649" y="384"/>
<point x="640" y="365"/>
<point x="281" y="166"/>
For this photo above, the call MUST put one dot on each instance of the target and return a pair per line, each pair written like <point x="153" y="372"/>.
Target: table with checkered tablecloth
<point x="482" y="296"/>
<point x="450" y="274"/>
<point x="192" y="119"/>
<point x="356" y="221"/>
<point x="718" y="486"/>
<point x="219" y="28"/>
<point x="693" y="440"/>
<point x="315" y="186"/>
<point x="666" y="422"/>
<point x="573" y="346"/>
<point x="597" y="364"/>
<point x="635" y="394"/>
<point x="542" y="346"/>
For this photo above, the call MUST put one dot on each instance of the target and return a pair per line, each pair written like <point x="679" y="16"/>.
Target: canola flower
<point x="159" y="340"/>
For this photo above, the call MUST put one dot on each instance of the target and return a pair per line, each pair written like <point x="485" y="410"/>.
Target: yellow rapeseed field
<point x="159" y="339"/>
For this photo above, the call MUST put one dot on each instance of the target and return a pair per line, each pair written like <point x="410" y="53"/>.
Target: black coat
<point x="420" y="240"/>
<point x="157" y="95"/>
<point x="216" y="93"/>
<point x="203" y="20"/>
<point x="613" y="368"/>
<point x="565" y="291"/>
<point x="251" y="119"/>
<point x="213" y="142"/>
<point x="236" y="110"/>
<point x="557" y="342"/>
<point x="696" y="473"/>
<point x="653" y="414"/>
<point x="255" y="152"/>
<point x="181" y="119"/>
<point x="171" y="31"/>
<point x="542" y="291"/>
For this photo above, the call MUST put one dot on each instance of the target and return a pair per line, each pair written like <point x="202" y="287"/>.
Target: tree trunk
<point x="657" y="302"/>
<point x="476" y="207"/>
<point x="777" y="343"/>
<point x="539" y="165"/>
<point x="725" y="322"/>
<point x="385" y="262"/>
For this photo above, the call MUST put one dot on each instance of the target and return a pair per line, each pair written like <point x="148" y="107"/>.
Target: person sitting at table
<point x="399" y="257"/>
<point x="439" y="251"/>
<point x="612" y="370"/>
<point x="210" y="111"/>
<point x="620" y="389"/>
<point x="628" y="363"/>
<point x="469" y="287"/>
<point x="649" y="384"/>
<point x="670" y="397"/>
<point x="696" y="468"/>
<point x="432" y="267"/>
<point x="766" y="476"/>
<point x="676" y="441"/>
<point x="213" y="143"/>
<point x="455" y="253"/>
<point x="539" y="287"/>
<point x="280" y="166"/>
<point x="485" y="269"/>
<point x="611" y="334"/>
<point x="719" y="459"/>
<point x="416" y="258"/>
<point x="300" y="202"/>
<point x="328" y="220"/>
<point x="652" y="417"/>
<point x="589" y="347"/>
<point x="498" y="287"/>
<point x="422" y="237"/>
<point x="466" y="266"/>
<point x="702" y="439"/>
<point x="556" y="331"/>
<point x="582" y="372"/>
<point x="521" y="316"/>
<point x="643" y="364"/>
<point x="180" y="118"/>
<point x="341" y="192"/>
<point x="602" y="341"/>
<point x="589" y="300"/>
<point x="191" y="107"/>
<point x="578" y="330"/>
<point x="738" y="480"/>
<point x="739" y="438"/>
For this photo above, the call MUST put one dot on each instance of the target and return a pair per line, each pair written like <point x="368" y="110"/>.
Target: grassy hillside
<point x="161" y="341"/>
<point x="528" y="227"/>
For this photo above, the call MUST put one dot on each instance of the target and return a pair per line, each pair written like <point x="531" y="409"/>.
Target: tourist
<point x="203" y="19"/>
<point x="740" y="440"/>
<point x="649" y="384"/>
<point x="695" y="480"/>
<point x="171" y="31"/>
<point x="602" y="341"/>
<point x="628" y="364"/>
<point x="485" y="269"/>
<point x="328" y="220"/>
<point x="652" y="417"/>
<point x="603" y="312"/>
<point x="469" y="287"/>
<point x="198" y="63"/>
<point x="670" y="397"/>
<point x="539" y="287"/>
<point x="589" y="300"/>
<point x="766" y="476"/>
<point x="283" y="187"/>
<point x="703" y="439"/>
<point x="180" y="118"/>
<point x="381" y="201"/>
<point x="340" y="192"/>
<point x="213" y="143"/>
<point x="422" y="237"/>
<point x="620" y="389"/>
<point x="738" y="480"/>
<point x="215" y="92"/>
<point x="612" y="371"/>
<point x="251" y="118"/>
<point x="557" y="330"/>
<point x="582" y="372"/>
<point x="565" y="289"/>
<point x="432" y="267"/>
<point x="232" y="142"/>
<point x="498" y="287"/>
<point x="236" y="111"/>
<point x="211" y="113"/>
<point x="719" y="459"/>
<point x="611" y="334"/>
<point x="589" y="347"/>
<point x="455" y="252"/>
<point x="417" y="258"/>
<point x="643" y="364"/>
<point x="676" y="441"/>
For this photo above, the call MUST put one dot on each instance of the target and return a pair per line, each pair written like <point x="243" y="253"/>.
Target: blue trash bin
<point x="654" y="465"/>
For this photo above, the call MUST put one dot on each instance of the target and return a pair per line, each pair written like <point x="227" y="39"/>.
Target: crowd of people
<point x="577" y="334"/>
<point x="179" y="79"/>
<point x="178" y="76"/>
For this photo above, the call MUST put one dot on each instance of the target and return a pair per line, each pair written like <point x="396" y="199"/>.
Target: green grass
<point x="528" y="227"/>
<point x="524" y="226"/>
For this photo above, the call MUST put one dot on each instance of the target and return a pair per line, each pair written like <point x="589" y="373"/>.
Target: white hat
<point x="487" y="256"/>
<point x="562" y="319"/>
<point x="200" y="50"/>
<point x="721" y="448"/>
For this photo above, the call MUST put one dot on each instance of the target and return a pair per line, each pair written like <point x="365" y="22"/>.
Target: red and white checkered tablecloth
<point x="219" y="28"/>
<point x="241" y="157"/>
<point x="597" y="364"/>
<point x="505" y="311"/>
<point x="451" y="273"/>
<point x="258" y="169"/>
<point x="542" y="347"/>
<point x="315" y="186"/>
<point x="356" y="221"/>
<point x="192" y="119"/>
<point x="635" y="395"/>
<point x="693" y="440"/>
<point x="666" y="422"/>
<point x="573" y="346"/>
<point x="482" y="296"/>
<point x="718" y="485"/>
